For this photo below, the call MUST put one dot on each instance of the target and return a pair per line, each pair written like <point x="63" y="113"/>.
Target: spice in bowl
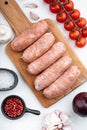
<point x="13" y="107"/>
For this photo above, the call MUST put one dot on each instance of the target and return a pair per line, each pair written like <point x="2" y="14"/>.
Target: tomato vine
<point x="73" y="22"/>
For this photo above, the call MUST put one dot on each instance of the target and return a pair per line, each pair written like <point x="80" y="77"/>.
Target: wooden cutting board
<point x="20" y="23"/>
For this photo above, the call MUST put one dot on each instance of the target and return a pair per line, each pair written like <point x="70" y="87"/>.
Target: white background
<point x="30" y="121"/>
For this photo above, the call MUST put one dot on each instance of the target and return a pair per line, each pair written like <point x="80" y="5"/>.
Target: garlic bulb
<point x="5" y="33"/>
<point x="57" y="120"/>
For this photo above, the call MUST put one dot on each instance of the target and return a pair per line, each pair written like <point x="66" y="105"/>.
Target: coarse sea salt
<point x="6" y="79"/>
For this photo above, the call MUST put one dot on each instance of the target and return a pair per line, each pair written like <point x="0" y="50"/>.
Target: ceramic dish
<point x="8" y="79"/>
<point x="13" y="107"/>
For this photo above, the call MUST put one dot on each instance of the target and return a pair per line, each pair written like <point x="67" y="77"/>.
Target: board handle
<point x="14" y="15"/>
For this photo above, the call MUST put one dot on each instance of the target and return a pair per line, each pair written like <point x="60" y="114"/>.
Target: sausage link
<point x="38" y="48"/>
<point x="56" y="51"/>
<point x="52" y="73"/>
<point x="63" y="83"/>
<point x="29" y="36"/>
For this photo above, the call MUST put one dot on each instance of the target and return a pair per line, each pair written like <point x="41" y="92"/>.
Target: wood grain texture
<point x="20" y="23"/>
<point x="14" y="16"/>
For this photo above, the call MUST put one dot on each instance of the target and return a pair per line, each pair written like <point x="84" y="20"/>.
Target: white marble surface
<point x="29" y="121"/>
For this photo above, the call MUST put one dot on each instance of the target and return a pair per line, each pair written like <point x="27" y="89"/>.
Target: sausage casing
<point x="48" y="76"/>
<point x="29" y="36"/>
<point x="63" y="83"/>
<point x="38" y="48"/>
<point x="54" y="53"/>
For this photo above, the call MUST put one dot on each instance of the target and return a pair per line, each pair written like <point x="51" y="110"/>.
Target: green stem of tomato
<point x="68" y="13"/>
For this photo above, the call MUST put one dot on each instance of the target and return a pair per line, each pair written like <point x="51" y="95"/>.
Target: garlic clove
<point x="5" y="33"/>
<point x="66" y="120"/>
<point x="60" y="126"/>
<point x="55" y="119"/>
<point x="43" y="128"/>
<point x="57" y="112"/>
<point x="34" y="16"/>
<point x="67" y="128"/>
<point x="47" y="121"/>
<point x="51" y="119"/>
<point x="31" y="5"/>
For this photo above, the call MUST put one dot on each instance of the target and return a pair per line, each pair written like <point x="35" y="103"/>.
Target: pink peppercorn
<point x="13" y="107"/>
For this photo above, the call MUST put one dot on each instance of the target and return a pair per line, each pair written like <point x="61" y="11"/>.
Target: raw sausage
<point x="29" y="36"/>
<point x="63" y="83"/>
<point x="56" y="51"/>
<point x="38" y="48"/>
<point x="52" y="73"/>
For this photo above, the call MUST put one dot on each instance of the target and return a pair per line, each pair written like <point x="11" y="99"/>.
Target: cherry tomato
<point x="84" y="32"/>
<point x="69" y="25"/>
<point x="81" y="42"/>
<point x="55" y="7"/>
<point x="74" y="34"/>
<point x="61" y="17"/>
<point x="49" y="1"/>
<point x="75" y="14"/>
<point x="69" y="6"/>
<point x="81" y="22"/>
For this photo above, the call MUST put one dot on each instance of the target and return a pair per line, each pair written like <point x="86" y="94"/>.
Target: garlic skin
<point x="5" y="33"/>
